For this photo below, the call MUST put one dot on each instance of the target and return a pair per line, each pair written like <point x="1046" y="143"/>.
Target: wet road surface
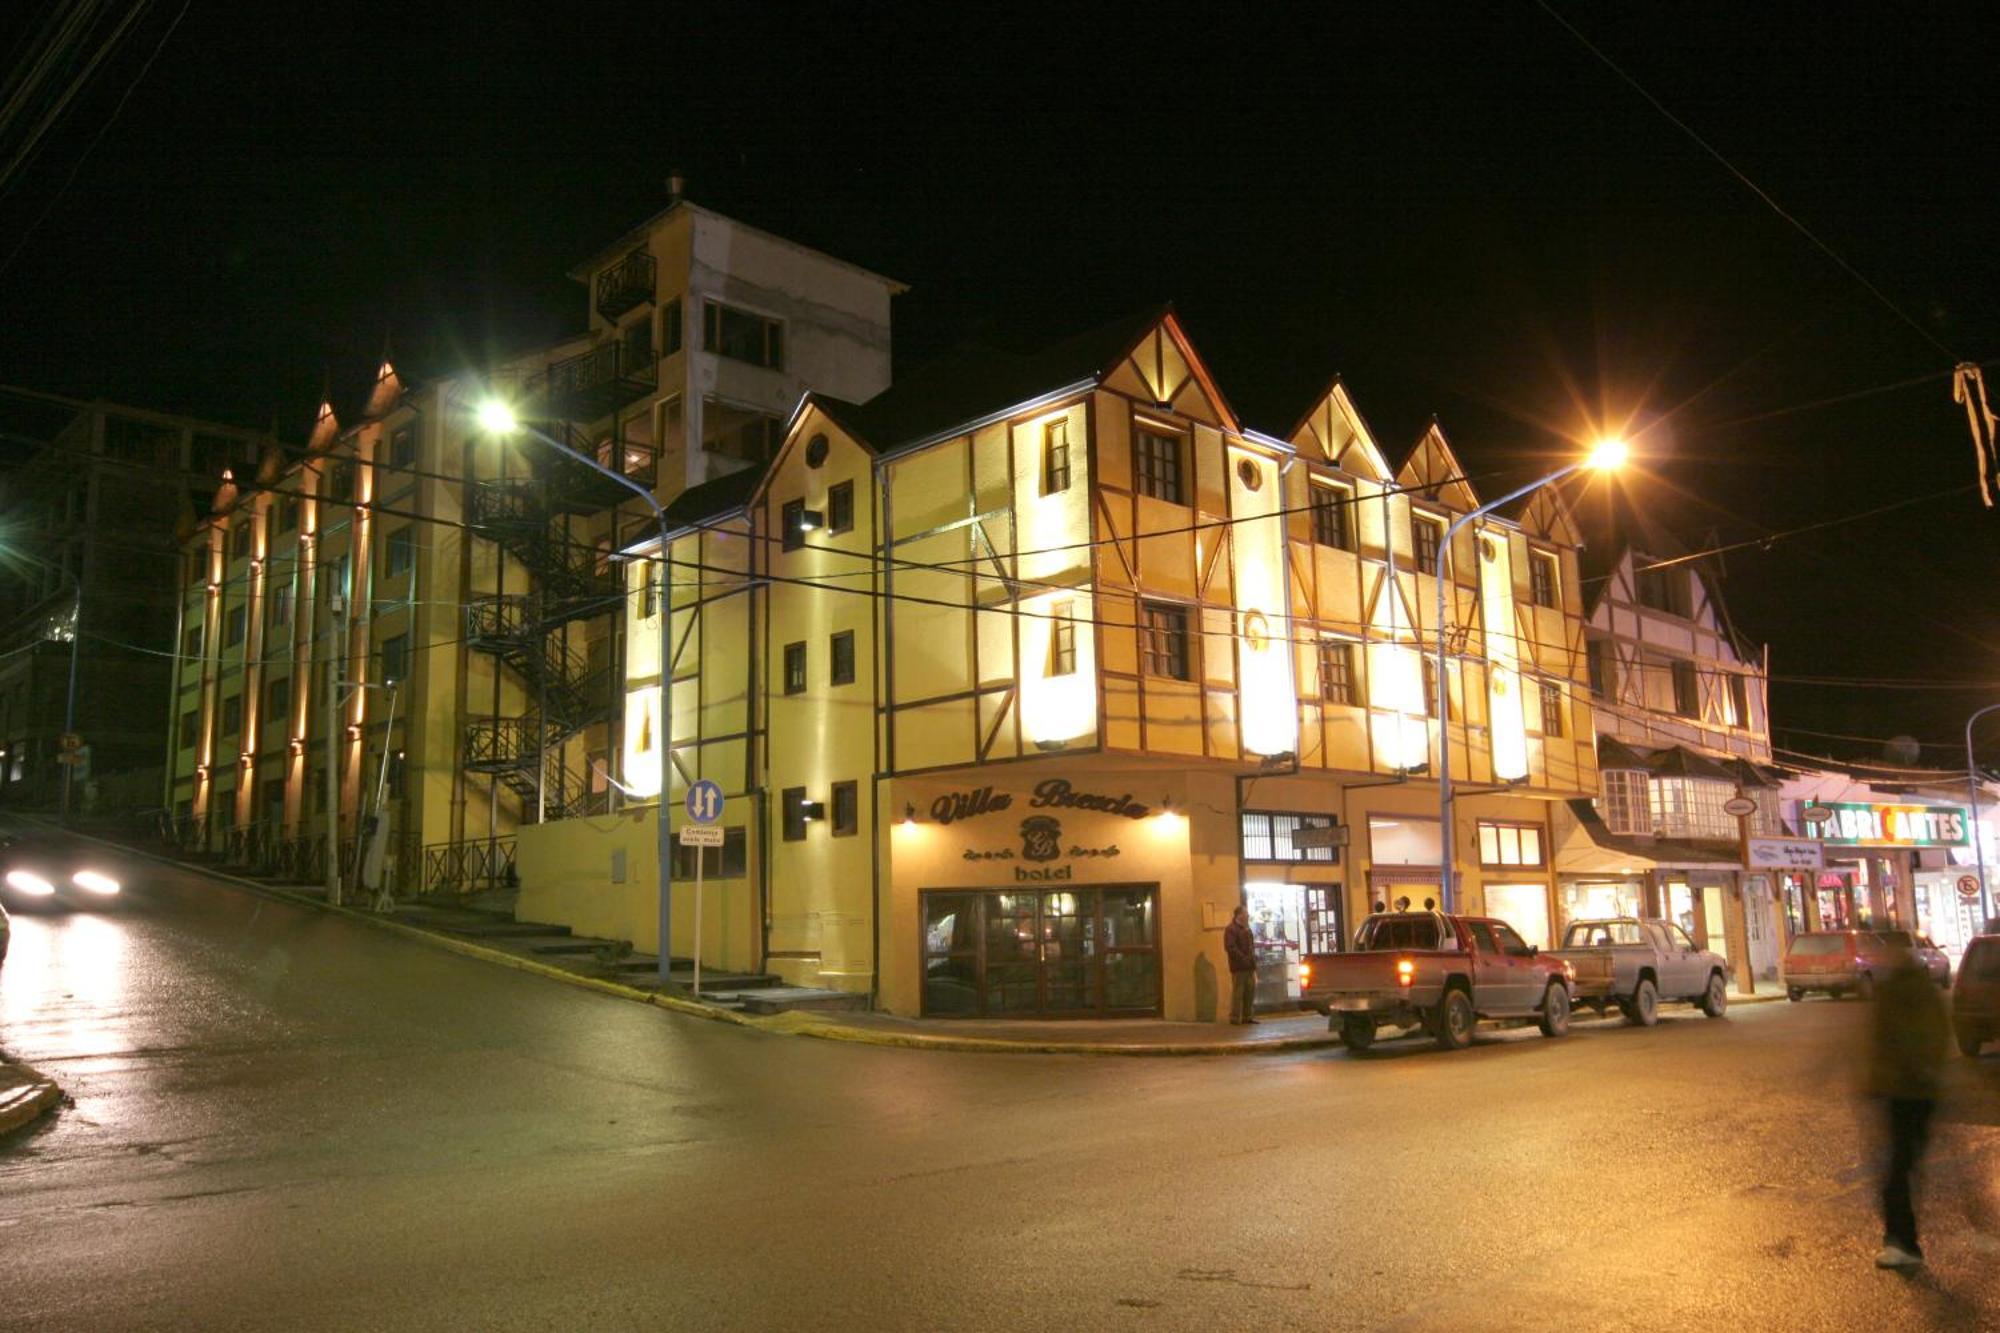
<point x="287" y="1120"/>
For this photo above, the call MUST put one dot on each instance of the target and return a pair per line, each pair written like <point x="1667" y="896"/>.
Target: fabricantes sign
<point x="1785" y="854"/>
<point x="1857" y="825"/>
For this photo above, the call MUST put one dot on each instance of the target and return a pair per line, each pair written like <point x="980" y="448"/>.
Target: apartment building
<point x="1683" y="730"/>
<point x="91" y="513"/>
<point x="475" y="574"/>
<point x="1019" y="676"/>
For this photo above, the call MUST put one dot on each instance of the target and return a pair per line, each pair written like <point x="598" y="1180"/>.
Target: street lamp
<point x="498" y="418"/>
<point x="1972" y="791"/>
<point x="1606" y="456"/>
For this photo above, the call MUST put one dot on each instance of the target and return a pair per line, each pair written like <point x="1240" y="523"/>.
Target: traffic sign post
<point x="704" y="807"/>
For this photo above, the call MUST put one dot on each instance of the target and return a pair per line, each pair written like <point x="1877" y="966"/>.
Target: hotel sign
<point x="1857" y="825"/>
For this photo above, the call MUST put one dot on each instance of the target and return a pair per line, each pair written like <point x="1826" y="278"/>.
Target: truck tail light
<point x="1406" y="971"/>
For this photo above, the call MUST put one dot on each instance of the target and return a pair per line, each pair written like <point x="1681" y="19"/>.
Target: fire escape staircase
<point x="568" y="696"/>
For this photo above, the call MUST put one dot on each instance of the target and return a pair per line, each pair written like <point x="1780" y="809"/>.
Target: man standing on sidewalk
<point x="1241" y="947"/>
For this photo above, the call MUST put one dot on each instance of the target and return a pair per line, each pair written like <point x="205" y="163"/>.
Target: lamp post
<point x="1606" y="457"/>
<point x="69" y="709"/>
<point x="1972" y="792"/>
<point x="499" y="419"/>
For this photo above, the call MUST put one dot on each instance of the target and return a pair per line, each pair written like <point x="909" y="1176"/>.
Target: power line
<point x="1765" y="543"/>
<point x="1748" y="184"/>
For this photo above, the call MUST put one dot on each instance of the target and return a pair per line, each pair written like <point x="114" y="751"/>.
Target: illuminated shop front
<point x="1889" y="863"/>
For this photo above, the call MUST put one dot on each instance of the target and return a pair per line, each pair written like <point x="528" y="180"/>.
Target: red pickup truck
<point x="1441" y="973"/>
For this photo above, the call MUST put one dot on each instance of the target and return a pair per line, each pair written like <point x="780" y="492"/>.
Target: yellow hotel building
<point x="1018" y="677"/>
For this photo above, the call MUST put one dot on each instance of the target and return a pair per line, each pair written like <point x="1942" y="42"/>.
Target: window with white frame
<point x="1268" y="837"/>
<point x="1691" y="807"/>
<point x="1503" y="844"/>
<point x="1623" y="802"/>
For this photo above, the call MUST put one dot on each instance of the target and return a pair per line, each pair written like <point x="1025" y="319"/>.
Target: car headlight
<point x="96" y="882"/>
<point x="27" y="881"/>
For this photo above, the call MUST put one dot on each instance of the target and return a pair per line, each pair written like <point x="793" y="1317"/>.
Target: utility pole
<point x="336" y="608"/>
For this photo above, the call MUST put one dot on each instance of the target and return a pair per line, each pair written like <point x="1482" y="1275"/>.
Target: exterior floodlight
<point x="496" y="418"/>
<point x="1609" y="455"/>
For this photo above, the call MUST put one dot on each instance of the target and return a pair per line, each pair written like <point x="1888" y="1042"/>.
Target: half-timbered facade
<point x="1051" y="662"/>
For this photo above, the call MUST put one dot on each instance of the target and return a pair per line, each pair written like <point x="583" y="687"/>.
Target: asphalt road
<point x="287" y="1120"/>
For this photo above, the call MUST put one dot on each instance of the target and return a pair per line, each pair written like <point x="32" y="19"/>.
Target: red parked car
<point x="1975" y="1001"/>
<point x="1843" y="961"/>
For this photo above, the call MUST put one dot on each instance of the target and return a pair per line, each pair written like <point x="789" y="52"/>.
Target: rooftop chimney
<point x="676" y="182"/>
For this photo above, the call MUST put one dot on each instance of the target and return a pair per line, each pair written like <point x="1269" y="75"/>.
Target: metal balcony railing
<point x="594" y="383"/>
<point x="626" y="285"/>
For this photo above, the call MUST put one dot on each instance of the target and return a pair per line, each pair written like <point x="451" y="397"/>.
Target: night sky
<point x="1457" y="207"/>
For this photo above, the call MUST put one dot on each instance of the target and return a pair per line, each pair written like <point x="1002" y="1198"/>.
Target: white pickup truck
<point x="1638" y="962"/>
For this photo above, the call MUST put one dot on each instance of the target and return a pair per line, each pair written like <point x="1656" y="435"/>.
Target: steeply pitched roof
<point x="713" y="499"/>
<point x="972" y="381"/>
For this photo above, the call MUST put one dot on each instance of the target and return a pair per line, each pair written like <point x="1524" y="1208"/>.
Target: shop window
<point x="1055" y="457"/>
<point x="793" y="805"/>
<point x="1270" y="837"/>
<point x="742" y="336"/>
<point x="795" y="668"/>
<point x="190" y="724"/>
<point x="1062" y="638"/>
<point x="846" y="809"/>
<point x="399" y="552"/>
<point x="1502" y="844"/>
<point x="729" y="861"/>
<point x="1542" y="572"/>
<point x="841" y="649"/>
<point x="234" y="623"/>
<point x="1166" y="640"/>
<point x="840" y="507"/>
<point x="1336" y="671"/>
<point x="1332" y="510"/>
<point x="395" y="657"/>
<point x="1623" y="802"/>
<point x="1687" y="689"/>
<point x="1402" y="840"/>
<point x="1325" y="931"/>
<point x="1739" y="699"/>
<point x="277" y="704"/>
<point x="1157" y="466"/>
<point x="1065" y="951"/>
<point x="792" y="525"/>
<point x="1426" y="536"/>
<point x="1552" y="709"/>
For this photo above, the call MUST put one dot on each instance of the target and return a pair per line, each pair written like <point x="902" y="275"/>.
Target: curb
<point x="28" y="1101"/>
<point x="793" y="1024"/>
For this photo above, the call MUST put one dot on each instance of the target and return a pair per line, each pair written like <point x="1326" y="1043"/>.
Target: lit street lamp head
<point x="497" y="418"/>
<point x="1609" y="455"/>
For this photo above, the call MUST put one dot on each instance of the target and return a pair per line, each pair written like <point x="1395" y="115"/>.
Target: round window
<point x="1249" y="474"/>
<point x="816" y="451"/>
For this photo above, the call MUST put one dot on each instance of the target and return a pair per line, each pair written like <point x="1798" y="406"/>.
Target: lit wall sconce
<point x="298" y="745"/>
<point x="810" y="519"/>
<point x="201" y="771"/>
<point x="354" y="731"/>
<point x="1051" y="745"/>
<point x="909" y="811"/>
<point x="214" y="587"/>
<point x="305" y="539"/>
<point x="245" y="758"/>
<point x="256" y="562"/>
<point x="812" y="809"/>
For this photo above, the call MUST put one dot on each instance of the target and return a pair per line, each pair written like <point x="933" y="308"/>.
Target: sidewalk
<point x="1293" y="1030"/>
<point x="25" y="1095"/>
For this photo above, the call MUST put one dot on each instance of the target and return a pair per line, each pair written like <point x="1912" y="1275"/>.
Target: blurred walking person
<point x="1908" y="1032"/>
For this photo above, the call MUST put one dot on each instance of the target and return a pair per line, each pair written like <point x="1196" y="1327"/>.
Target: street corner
<point x="26" y="1095"/>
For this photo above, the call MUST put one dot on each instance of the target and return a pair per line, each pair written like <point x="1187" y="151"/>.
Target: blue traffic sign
<point x="704" y="802"/>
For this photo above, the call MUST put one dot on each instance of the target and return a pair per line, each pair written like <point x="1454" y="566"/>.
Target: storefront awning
<point x="1677" y="761"/>
<point x="1584" y="846"/>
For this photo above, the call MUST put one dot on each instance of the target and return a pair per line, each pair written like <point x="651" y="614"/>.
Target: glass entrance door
<point x="1041" y="954"/>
